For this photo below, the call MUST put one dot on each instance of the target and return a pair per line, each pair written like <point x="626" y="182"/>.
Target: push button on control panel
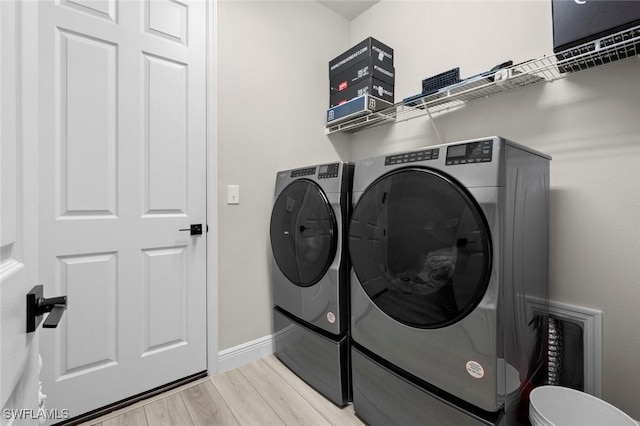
<point x="303" y="172"/>
<point x="410" y="157"/>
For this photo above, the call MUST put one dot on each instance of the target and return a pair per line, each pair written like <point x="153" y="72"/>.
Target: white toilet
<point x="560" y="406"/>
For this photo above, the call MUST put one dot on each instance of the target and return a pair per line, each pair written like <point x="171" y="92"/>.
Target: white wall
<point x="589" y="123"/>
<point x="272" y="101"/>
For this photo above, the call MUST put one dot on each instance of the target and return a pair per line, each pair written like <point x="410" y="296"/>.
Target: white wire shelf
<point x="618" y="46"/>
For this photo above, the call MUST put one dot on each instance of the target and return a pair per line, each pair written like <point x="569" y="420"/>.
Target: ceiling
<point x="348" y="9"/>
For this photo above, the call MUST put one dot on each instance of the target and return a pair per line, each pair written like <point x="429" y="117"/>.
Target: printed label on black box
<point x="381" y="53"/>
<point x="363" y="72"/>
<point x="381" y="91"/>
<point x="349" y="58"/>
<point x="383" y="71"/>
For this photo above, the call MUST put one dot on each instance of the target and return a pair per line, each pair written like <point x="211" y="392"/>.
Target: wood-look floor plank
<point x="99" y="420"/>
<point x="135" y="417"/>
<point x="334" y="414"/>
<point x="245" y="402"/>
<point x="168" y="411"/>
<point x="206" y="406"/>
<point x="261" y="394"/>
<point x="290" y="406"/>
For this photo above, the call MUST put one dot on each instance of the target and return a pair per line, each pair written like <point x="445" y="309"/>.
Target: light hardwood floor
<point x="264" y="392"/>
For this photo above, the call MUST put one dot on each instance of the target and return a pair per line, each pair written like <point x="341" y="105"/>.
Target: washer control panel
<point x="329" y="171"/>
<point x="303" y="172"/>
<point x="410" y="157"/>
<point x="468" y="153"/>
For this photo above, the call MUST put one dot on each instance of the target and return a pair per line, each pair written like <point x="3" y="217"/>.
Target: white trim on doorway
<point x="212" y="187"/>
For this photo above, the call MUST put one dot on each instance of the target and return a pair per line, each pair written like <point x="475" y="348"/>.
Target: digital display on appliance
<point x="456" y="151"/>
<point x="468" y="153"/>
<point x="328" y="171"/>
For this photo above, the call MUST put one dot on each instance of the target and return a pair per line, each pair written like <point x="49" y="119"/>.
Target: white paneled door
<point x="122" y="174"/>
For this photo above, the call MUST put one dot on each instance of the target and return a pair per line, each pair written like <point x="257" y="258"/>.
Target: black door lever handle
<point x="55" y="316"/>
<point x="37" y="306"/>
<point x="194" y="229"/>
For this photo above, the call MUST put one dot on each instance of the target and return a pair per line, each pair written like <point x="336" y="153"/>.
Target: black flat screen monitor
<point x="579" y="21"/>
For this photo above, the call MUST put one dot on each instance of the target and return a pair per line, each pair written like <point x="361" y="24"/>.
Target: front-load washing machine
<point x="311" y="275"/>
<point x="449" y="253"/>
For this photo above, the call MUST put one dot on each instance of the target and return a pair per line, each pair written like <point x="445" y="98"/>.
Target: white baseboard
<point x="237" y="356"/>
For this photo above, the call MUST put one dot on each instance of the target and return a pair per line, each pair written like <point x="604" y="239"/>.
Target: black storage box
<point x="370" y="47"/>
<point x="576" y="23"/>
<point x="367" y="86"/>
<point x="369" y="67"/>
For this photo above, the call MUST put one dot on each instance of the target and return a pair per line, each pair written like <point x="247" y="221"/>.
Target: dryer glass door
<point x="303" y="233"/>
<point x="420" y="247"/>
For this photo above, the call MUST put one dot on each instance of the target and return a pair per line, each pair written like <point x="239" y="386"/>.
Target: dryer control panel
<point x="410" y="157"/>
<point x="468" y="153"/>
<point x="303" y="172"/>
<point x="329" y="171"/>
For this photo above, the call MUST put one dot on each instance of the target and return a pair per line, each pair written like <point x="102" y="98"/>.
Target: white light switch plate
<point x="233" y="194"/>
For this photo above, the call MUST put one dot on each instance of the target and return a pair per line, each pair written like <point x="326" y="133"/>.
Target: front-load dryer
<point x="449" y="252"/>
<point x="311" y="275"/>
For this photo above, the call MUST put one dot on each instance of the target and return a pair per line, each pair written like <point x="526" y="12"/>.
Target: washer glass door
<point x="303" y="233"/>
<point x="420" y="247"/>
